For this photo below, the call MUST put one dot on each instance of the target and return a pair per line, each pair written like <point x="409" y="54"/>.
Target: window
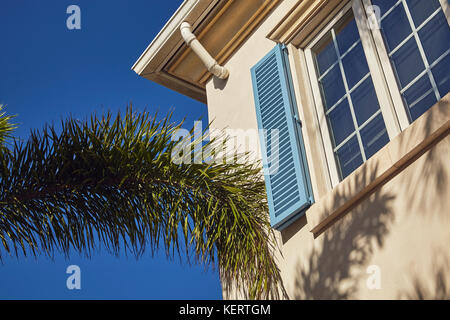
<point x="370" y="83"/>
<point x="416" y="35"/>
<point x="348" y="98"/>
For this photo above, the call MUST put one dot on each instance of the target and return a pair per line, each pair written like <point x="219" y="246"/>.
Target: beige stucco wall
<point x="402" y="225"/>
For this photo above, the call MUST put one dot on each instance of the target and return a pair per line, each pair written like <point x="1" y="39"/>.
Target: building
<point x="356" y="94"/>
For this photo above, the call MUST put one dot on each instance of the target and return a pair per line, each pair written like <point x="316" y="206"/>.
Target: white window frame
<point x="391" y="119"/>
<point x="391" y="103"/>
<point x="391" y="81"/>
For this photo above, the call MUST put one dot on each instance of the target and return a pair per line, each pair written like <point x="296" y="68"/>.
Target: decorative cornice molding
<point x="304" y="19"/>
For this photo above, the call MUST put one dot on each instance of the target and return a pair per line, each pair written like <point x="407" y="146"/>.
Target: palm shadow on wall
<point x="435" y="290"/>
<point x="345" y="248"/>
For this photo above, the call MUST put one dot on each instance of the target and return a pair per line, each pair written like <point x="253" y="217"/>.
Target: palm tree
<point x="5" y="127"/>
<point x="110" y="181"/>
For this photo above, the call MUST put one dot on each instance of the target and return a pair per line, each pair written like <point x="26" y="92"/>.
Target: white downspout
<point x="210" y="63"/>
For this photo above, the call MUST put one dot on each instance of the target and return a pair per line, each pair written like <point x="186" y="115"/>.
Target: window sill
<point x="427" y="130"/>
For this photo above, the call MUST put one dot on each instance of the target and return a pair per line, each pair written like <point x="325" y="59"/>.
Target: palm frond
<point x="6" y="127"/>
<point x="110" y="180"/>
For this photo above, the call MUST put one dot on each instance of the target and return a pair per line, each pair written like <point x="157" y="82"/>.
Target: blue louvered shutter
<point x="285" y="168"/>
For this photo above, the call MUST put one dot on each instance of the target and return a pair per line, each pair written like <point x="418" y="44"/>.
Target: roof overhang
<point x="220" y="25"/>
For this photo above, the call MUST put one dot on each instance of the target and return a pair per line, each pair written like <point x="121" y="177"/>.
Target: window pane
<point x="395" y="27"/>
<point x="326" y="55"/>
<point x="332" y="86"/>
<point x="407" y="62"/>
<point x="347" y="34"/>
<point x="355" y="65"/>
<point x="341" y="122"/>
<point x="420" y="97"/>
<point x="384" y="5"/>
<point x="421" y="9"/>
<point x="374" y="136"/>
<point x="441" y="73"/>
<point x="365" y="102"/>
<point x="349" y="157"/>
<point x="435" y="37"/>
<point x="349" y="100"/>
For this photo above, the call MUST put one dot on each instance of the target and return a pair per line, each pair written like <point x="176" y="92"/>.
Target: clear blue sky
<point x="48" y="72"/>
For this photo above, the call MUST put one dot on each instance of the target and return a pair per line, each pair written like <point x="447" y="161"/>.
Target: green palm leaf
<point x="112" y="181"/>
<point x="6" y="127"/>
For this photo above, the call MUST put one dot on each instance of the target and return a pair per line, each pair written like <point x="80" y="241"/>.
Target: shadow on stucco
<point x="336" y="264"/>
<point x="219" y="83"/>
<point x="433" y="172"/>
<point x="434" y="290"/>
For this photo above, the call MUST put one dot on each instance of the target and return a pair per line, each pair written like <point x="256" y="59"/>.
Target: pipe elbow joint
<point x="219" y="71"/>
<point x="186" y="33"/>
<point x="210" y="63"/>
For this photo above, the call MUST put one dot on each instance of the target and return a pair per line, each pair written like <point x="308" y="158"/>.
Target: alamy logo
<point x="74" y="20"/>
<point x="230" y="146"/>
<point x="373" y="282"/>
<point x="373" y="17"/>
<point x="74" y="280"/>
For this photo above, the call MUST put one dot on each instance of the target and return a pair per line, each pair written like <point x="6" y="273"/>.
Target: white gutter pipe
<point x="210" y="63"/>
